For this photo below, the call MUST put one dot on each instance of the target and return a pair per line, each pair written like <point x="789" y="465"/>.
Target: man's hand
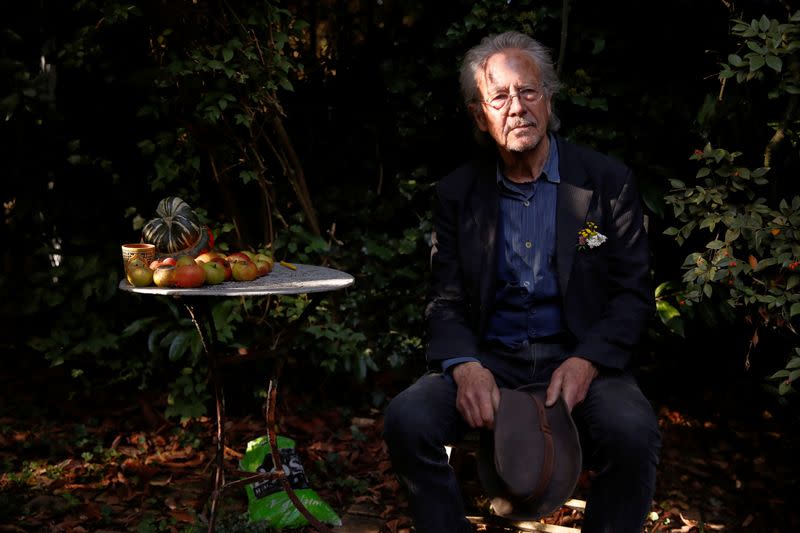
<point x="571" y="380"/>
<point x="478" y="395"/>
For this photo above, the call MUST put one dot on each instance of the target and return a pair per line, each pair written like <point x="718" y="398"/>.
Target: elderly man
<point x="540" y="274"/>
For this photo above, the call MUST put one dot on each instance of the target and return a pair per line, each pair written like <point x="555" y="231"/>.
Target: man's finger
<point x="553" y="390"/>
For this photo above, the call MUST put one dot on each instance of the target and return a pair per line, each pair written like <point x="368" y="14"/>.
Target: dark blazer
<point x="606" y="292"/>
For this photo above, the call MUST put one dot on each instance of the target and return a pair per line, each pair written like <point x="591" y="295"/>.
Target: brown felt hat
<point x="530" y="464"/>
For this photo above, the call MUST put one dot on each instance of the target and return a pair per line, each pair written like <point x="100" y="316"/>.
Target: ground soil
<point x="105" y="464"/>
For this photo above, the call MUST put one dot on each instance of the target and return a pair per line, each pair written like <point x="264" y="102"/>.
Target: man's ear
<point x="478" y="115"/>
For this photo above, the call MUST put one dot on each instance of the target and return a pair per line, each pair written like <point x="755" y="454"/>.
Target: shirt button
<point x="526" y="203"/>
<point x="528" y="244"/>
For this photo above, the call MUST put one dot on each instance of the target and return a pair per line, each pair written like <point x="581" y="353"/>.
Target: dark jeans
<point x="619" y="437"/>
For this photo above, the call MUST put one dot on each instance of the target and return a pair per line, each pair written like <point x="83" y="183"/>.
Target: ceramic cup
<point x="145" y="252"/>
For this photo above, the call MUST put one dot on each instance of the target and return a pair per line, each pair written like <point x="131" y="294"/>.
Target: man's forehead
<point x="502" y="66"/>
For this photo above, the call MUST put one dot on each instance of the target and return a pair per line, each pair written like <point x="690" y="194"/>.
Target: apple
<point x="140" y="276"/>
<point x="238" y="256"/>
<point x="215" y="272"/>
<point x="185" y="260"/>
<point x="244" y="270"/>
<point x="164" y="275"/>
<point x="163" y="261"/>
<point x="264" y="265"/>
<point x="189" y="276"/>
<point x="251" y="255"/>
<point x="205" y="257"/>
<point x="225" y="265"/>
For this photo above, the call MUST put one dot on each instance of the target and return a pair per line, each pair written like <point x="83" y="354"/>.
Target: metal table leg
<point x="208" y="340"/>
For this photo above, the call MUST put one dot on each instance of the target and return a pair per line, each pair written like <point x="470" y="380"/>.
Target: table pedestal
<point x="209" y="341"/>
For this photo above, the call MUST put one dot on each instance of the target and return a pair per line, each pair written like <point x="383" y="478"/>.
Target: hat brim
<point x="512" y="434"/>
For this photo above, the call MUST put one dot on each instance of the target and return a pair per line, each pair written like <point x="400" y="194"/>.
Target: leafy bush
<point x="746" y="227"/>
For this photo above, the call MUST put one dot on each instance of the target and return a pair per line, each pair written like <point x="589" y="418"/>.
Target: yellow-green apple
<point x="185" y="260"/>
<point x="225" y="265"/>
<point x="140" y="275"/>
<point x="244" y="270"/>
<point x="215" y="272"/>
<point x="205" y="257"/>
<point x="164" y="275"/>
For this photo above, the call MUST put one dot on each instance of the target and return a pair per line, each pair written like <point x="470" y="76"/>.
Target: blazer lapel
<point x="572" y="206"/>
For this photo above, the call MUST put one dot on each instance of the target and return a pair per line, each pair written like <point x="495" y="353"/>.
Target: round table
<point x="303" y="279"/>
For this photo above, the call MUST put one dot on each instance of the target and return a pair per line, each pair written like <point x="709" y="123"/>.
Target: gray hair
<point x="476" y="58"/>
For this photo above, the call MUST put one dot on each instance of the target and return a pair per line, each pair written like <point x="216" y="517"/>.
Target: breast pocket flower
<point x="589" y="237"/>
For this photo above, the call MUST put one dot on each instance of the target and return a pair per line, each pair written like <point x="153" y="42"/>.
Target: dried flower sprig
<point x="589" y="237"/>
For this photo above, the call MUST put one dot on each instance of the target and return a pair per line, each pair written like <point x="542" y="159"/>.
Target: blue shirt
<point x="527" y="305"/>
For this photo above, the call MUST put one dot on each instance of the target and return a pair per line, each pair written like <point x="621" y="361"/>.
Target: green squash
<point x="175" y="229"/>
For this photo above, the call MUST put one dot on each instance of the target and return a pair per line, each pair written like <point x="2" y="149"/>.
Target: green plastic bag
<point x="267" y="501"/>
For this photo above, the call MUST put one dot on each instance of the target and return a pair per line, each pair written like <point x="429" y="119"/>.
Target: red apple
<point x="225" y="265"/>
<point x="169" y="261"/>
<point x="189" y="276"/>
<point x="264" y="264"/>
<point x="215" y="272"/>
<point x="238" y="256"/>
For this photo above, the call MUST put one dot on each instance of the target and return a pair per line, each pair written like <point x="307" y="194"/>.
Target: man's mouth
<point x="524" y="125"/>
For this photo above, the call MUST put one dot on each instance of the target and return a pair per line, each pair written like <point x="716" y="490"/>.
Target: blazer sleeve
<point x="450" y="329"/>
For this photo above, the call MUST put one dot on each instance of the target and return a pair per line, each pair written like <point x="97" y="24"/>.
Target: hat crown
<point x="531" y="464"/>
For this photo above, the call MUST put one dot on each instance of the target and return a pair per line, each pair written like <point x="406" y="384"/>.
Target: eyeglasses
<point x="529" y="95"/>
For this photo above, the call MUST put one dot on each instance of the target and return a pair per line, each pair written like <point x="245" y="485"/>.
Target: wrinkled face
<point x="512" y="78"/>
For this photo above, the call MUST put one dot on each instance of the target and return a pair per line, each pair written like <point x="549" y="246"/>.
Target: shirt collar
<point x="549" y="170"/>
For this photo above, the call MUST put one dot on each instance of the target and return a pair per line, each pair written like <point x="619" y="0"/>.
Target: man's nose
<point x="515" y="106"/>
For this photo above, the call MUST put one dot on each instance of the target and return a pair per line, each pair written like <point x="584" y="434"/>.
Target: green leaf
<point x="179" y="345"/>
<point x="735" y="60"/>
<point x="227" y="54"/>
<point x="775" y="63"/>
<point x="756" y="62"/>
<point x="780" y="374"/>
<point x="670" y="317"/>
<point x="665" y="286"/>
<point x="795" y="309"/>
<point x="707" y="290"/>
<point x="763" y="23"/>
<point x="286" y="84"/>
<point x="794" y="362"/>
<point x="715" y="245"/>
